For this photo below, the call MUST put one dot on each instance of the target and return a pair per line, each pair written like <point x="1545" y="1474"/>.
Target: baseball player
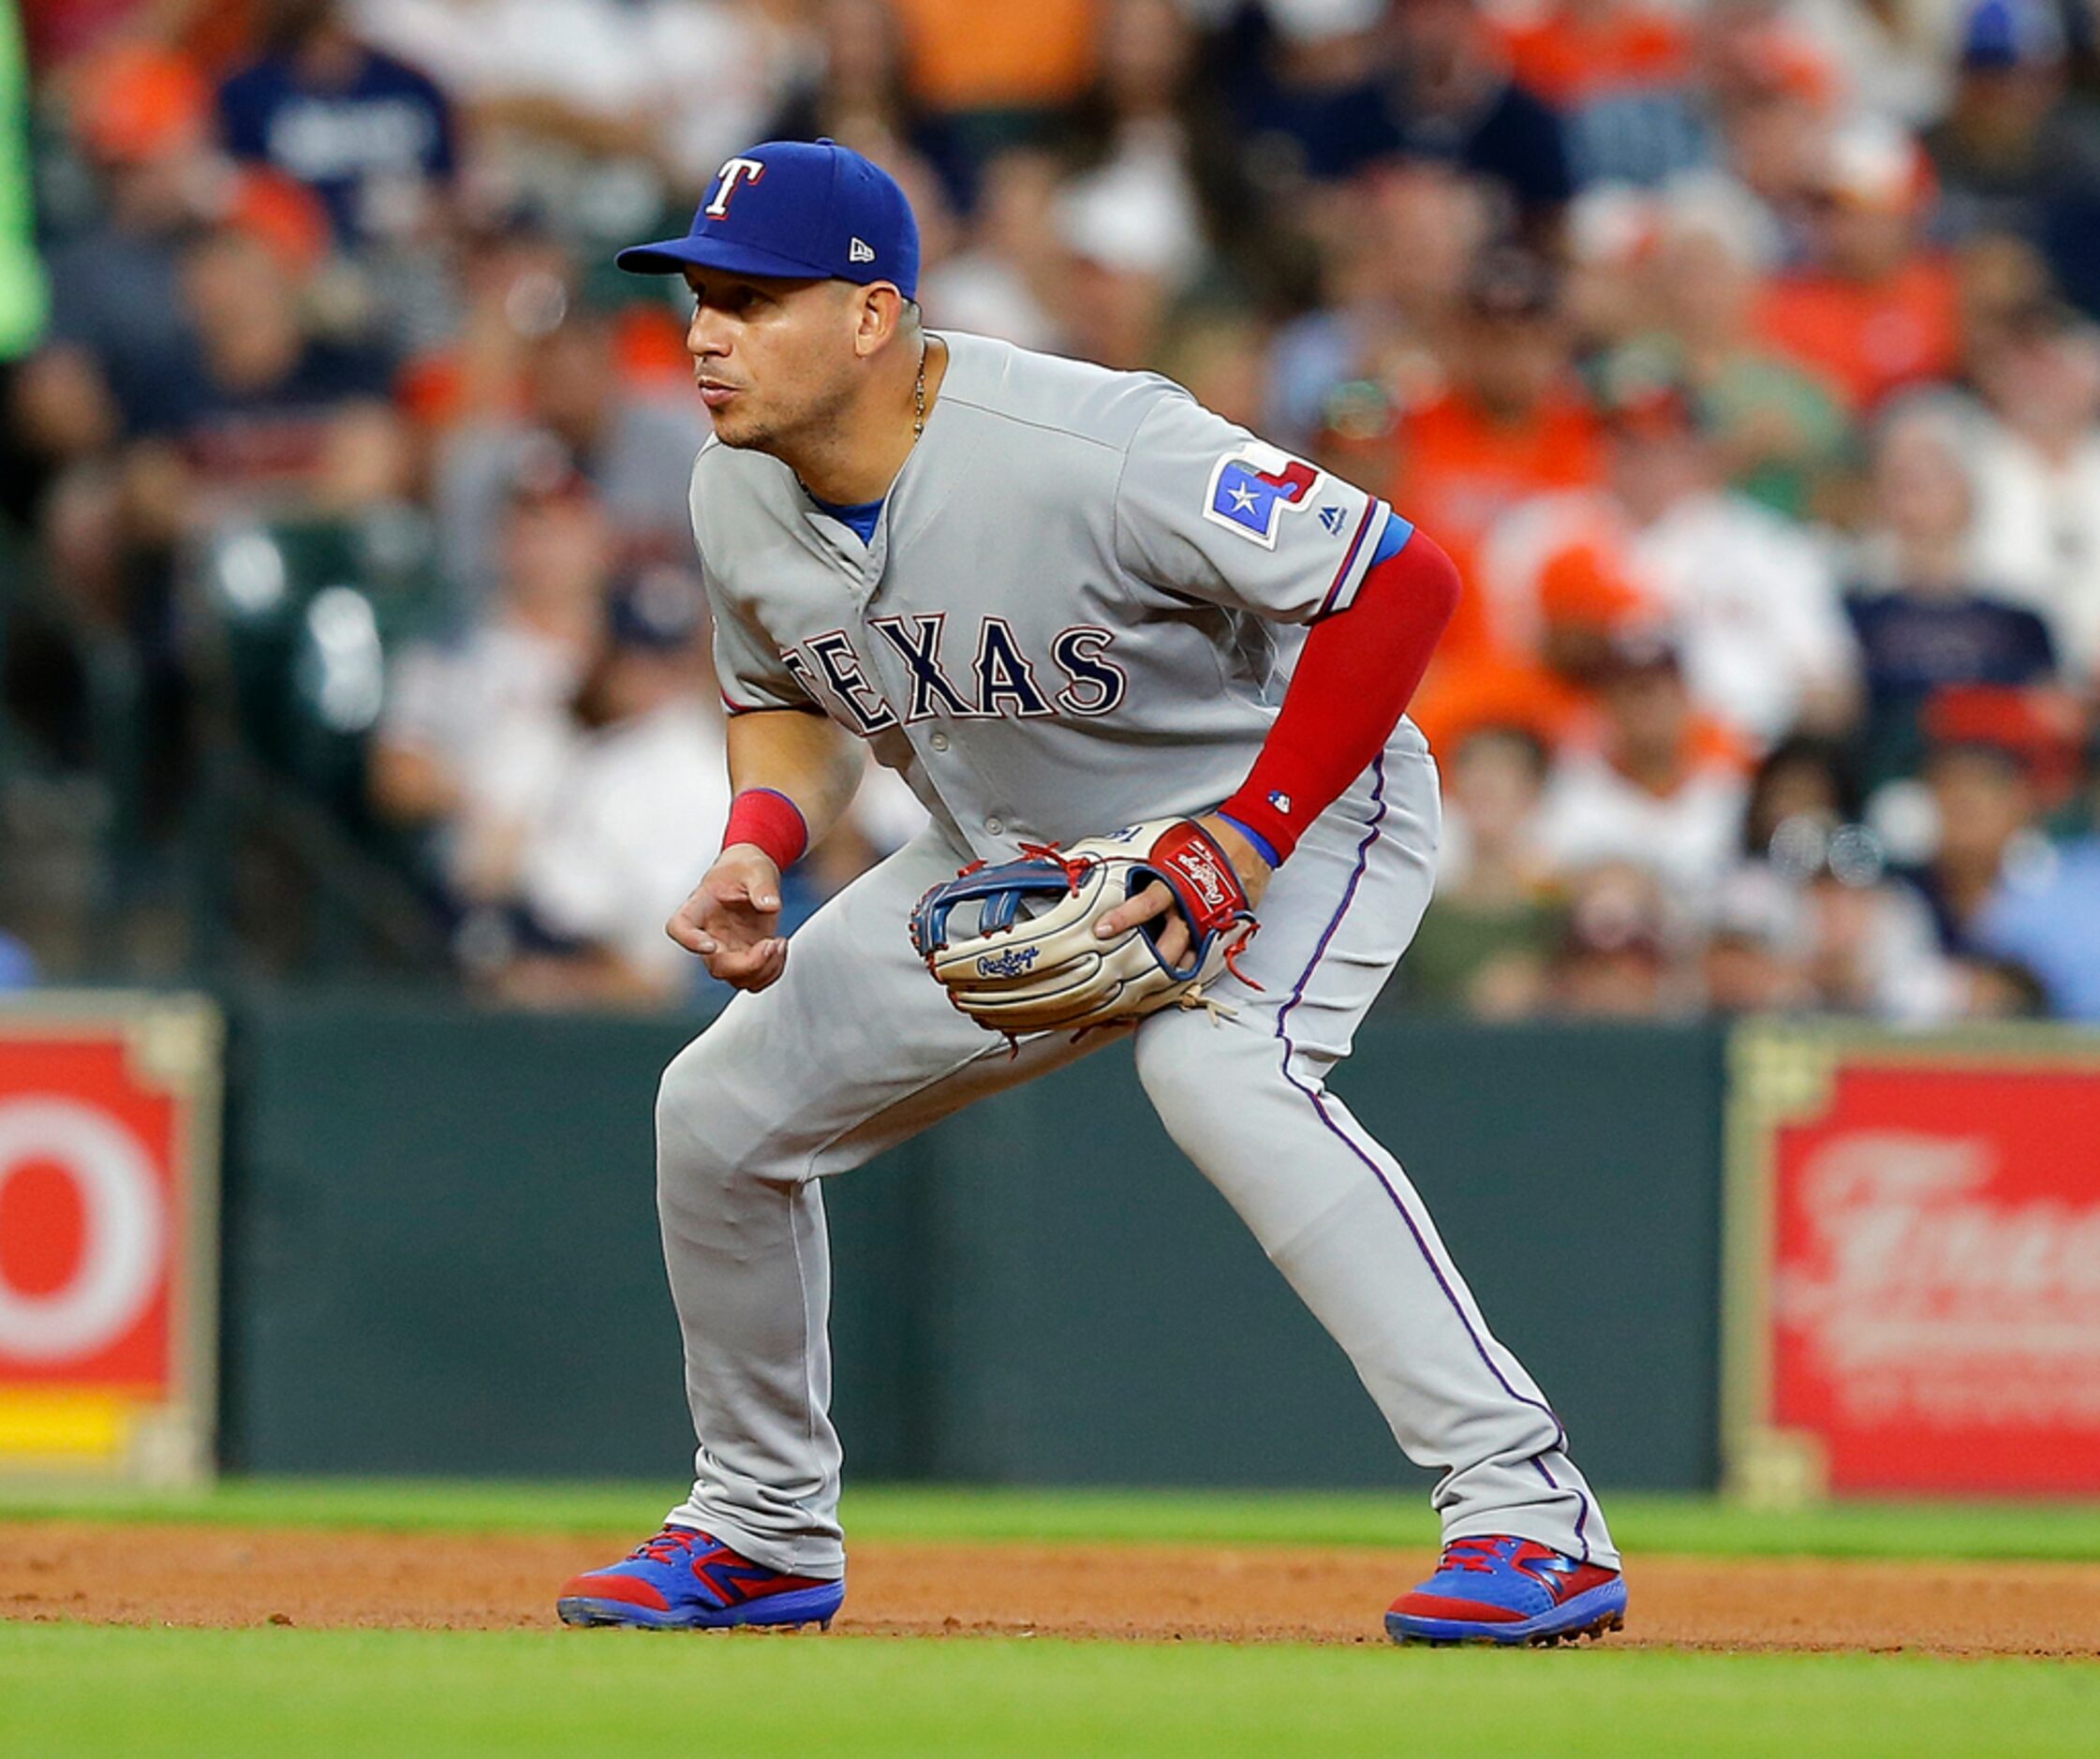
<point x="1059" y="602"/>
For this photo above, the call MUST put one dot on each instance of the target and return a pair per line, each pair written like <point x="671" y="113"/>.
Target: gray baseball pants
<point x="856" y="1049"/>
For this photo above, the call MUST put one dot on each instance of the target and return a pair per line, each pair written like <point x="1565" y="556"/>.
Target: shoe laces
<point x="1469" y="1554"/>
<point x="669" y="1545"/>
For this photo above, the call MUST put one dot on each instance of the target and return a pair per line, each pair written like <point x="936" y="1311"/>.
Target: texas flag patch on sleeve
<point x="1255" y="487"/>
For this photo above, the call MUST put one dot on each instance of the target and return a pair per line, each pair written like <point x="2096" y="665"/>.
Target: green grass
<point x="90" y="1690"/>
<point x="274" y="1694"/>
<point x="1649" y="1524"/>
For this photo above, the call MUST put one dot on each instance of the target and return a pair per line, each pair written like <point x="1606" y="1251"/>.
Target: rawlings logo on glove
<point x="1009" y="964"/>
<point x="1032" y="961"/>
<point x="1189" y="852"/>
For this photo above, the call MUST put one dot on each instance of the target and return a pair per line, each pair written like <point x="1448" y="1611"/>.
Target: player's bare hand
<point x="731" y="918"/>
<point x="1155" y="900"/>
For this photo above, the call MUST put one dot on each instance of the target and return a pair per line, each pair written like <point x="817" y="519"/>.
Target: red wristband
<point x="767" y="819"/>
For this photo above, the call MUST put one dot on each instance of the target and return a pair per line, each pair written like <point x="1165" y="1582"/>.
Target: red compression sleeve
<point x="1357" y="671"/>
<point x="766" y="817"/>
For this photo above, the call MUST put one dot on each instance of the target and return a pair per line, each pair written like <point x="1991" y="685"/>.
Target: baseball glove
<point x="1033" y="963"/>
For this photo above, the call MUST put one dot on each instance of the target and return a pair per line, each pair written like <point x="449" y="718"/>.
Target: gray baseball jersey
<point x="1079" y="609"/>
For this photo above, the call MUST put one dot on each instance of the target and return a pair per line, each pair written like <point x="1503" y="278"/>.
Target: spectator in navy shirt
<point x="1456" y="101"/>
<point x="267" y="415"/>
<point x="141" y="118"/>
<point x="1309" y="90"/>
<point x="1921" y="622"/>
<point x="2018" y="150"/>
<point x="369" y="135"/>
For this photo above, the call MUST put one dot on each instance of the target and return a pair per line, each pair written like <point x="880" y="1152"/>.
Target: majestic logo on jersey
<point x="733" y="171"/>
<point x="1251" y="489"/>
<point x="1332" y="517"/>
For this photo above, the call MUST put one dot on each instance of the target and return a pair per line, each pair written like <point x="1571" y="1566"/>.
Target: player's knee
<point x="1180" y="1078"/>
<point x="687" y="1081"/>
<point x="691" y="1111"/>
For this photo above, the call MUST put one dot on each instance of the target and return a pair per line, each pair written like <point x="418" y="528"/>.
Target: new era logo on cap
<point x="797" y="210"/>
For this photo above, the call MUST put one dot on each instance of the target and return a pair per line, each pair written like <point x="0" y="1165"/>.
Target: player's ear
<point x="878" y="313"/>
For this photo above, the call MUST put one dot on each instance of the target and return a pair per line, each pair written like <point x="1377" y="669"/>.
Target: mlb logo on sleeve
<point x="1253" y="487"/>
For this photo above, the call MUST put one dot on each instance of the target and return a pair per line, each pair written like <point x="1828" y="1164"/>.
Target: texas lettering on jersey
<point x="1081" y="606"/>
<point x="1000" y="681"/>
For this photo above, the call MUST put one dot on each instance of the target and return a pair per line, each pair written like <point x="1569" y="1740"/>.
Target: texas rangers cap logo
<point x="805" y="210"/>
<point x="1253" y="487"/>
<point x="733" y="171"/>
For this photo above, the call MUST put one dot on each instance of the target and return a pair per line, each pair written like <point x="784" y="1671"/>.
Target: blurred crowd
<point x="1746" y="355"/>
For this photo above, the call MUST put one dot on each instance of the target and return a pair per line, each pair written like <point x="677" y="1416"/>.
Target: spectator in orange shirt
<point x="998" y="72"/>
<point x="1874" y="310"/>
<point x="63" y="37"/>
<point x="1511" y="423"/>
<point x="1622" y="75"/>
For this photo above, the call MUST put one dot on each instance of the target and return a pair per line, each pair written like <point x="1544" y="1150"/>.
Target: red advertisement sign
<point x="107" y="1187"/>
<point x="1924" y="1224"/>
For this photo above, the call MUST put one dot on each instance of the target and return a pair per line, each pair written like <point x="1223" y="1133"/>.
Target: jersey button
<point x="938" y="741"/>
<point x="996" y="826"/>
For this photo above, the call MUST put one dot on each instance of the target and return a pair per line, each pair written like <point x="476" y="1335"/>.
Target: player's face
<point x="774" y="358"/>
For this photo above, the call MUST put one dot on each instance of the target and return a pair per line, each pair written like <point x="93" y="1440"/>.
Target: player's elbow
<point x="1433" y="578"/>
<point x="1412" y="593"/>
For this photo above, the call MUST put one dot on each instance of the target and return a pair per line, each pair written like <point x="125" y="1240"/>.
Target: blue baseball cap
<point x="2002" y="34"/>
<point x="796" y="208"/>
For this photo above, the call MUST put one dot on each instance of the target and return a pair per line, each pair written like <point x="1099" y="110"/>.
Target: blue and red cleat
<point x="1500" y="1589"/>
<point x="684" y="1580"/>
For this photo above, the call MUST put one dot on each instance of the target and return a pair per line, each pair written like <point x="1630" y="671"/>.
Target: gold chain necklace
<point x="919" y="396"/>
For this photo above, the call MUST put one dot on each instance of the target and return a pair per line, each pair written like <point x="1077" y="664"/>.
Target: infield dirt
<point x="223" y="1576"/>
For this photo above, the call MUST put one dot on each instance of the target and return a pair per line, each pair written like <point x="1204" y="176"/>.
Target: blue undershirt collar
<point x="860" y="516"/>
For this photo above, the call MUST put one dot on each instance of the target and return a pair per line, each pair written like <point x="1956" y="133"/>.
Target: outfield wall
<point x="440" y="1256"/>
